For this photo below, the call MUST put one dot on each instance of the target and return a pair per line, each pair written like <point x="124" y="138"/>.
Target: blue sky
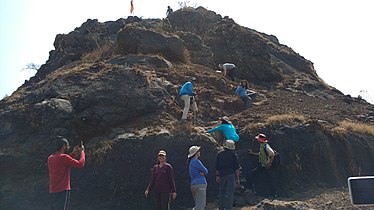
<point x="336" y="35"/>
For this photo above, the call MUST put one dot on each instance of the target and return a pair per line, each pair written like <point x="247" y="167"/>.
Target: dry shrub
<point x="362" y="128"/>
<point x="16" y="95"/>
<point x="69" y="69"/>
<point x="102" y="149"/>
<point x="187" y="56"/>
<point x="97" y="54"/>
<point x="285" y="118"/>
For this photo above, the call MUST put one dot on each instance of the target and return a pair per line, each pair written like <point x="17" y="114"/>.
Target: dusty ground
<point x="316" y="199"/>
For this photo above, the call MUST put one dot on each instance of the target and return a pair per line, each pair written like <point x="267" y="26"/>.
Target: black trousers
<point x="162" y="201"/>
<point x="60" y="200"/>
<point x="231" y="74"/>
<point x="261" y="175"/>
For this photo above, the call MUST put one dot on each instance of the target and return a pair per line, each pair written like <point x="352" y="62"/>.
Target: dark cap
<point x="60" y="142"/>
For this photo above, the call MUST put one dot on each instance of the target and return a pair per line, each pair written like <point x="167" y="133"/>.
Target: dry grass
<point x="187" y="56"/>
<point x="361" y="128"/>
<point x="101" y="150"/>
<point x="15" y="96"/>
<point x="69" y="69"/>
<point x="285" y="119"/>
<point x="97" y="54"/>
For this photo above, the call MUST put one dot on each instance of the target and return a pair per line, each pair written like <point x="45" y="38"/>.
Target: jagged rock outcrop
<point x="90" y="36"/>
<point x="134" y="40"/>
<point x="85" y="101"/>
<point x="256" y="54"/>
<point x="198" y="52"/>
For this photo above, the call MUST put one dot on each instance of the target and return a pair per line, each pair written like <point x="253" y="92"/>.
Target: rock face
<point x="86" y="103"/>
<point x="115" y="86"/>
<point x="133" y="40"/>
<point x="256" y="54"/>
<point x="199" y="53"/>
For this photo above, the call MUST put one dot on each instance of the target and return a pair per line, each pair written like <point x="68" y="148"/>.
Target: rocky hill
<point x="114" y="85"/>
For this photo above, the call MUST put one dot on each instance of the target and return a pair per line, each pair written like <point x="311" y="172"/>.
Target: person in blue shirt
<point x="186" y="93"/>
<point x="228" y="129"/>
<point x="241" y="91"/>
<point x="197" y="172"/>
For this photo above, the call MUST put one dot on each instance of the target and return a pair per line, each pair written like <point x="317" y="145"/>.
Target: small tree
<point x="32" y="66"/>
<point x="186" y="4"/>
<point x="366" y="96"/>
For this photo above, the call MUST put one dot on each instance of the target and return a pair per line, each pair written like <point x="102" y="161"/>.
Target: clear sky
<point x="336" y="35"/>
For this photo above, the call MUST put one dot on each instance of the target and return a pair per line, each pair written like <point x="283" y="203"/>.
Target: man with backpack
<point x="268" y="165"/>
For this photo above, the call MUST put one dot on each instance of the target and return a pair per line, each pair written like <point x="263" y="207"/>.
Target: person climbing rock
<point x="186" y="94"/>
<point x="228" y="70"/>
<point x="227" y="128"/>
<point x="241" y="91"/>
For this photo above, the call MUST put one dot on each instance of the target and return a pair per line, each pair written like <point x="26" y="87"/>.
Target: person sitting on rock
<point x="186" y="93"/>
<point x="228" y="69"/>
<point x="241" y="91"/>
<point x="228" y="129"/>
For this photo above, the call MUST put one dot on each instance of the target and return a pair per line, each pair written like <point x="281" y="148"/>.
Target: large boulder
<point x="198" y="21"/>
<point x="199" y="52"/>
<point x="136" y="40"/>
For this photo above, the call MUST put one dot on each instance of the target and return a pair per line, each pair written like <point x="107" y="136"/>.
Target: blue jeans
<point x="199" y="196"/>
<point x="226" y="192"/>
<point x="248" y="99"/>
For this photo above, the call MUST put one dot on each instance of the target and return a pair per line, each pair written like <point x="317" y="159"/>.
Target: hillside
<point x="114" y="85"/>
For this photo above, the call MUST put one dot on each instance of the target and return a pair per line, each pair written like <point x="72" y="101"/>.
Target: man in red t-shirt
<point x="59" y="164"/>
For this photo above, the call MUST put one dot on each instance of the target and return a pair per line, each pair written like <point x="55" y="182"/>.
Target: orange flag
<point x="131" y="7"/>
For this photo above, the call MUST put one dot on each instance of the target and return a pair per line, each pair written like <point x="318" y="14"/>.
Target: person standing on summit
<point x="169" y="11"/>
<point x="59" y="164"/>
<point x="228" y="69"/>
<point x="186" y="93"/>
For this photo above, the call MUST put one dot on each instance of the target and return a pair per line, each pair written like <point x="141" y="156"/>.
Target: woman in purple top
<point x="197" y="173"/>
<point x="162" y="182"/>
